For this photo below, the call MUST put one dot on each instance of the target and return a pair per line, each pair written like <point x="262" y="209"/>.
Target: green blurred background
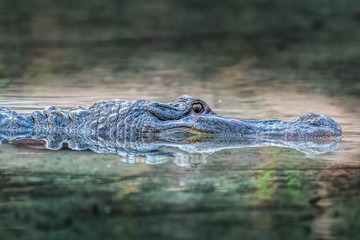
<point x="42" y="39"/>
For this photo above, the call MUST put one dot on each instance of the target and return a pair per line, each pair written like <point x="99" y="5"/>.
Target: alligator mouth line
<point x="179" y="130"/>
<point x="182" y="134"/>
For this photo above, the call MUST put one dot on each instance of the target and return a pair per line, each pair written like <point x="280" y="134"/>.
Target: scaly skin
<point x="121" y="119"/>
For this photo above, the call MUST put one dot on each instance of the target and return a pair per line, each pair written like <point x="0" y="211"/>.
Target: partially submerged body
<point x="142" y="127"/>
<point x="122" y="119"/>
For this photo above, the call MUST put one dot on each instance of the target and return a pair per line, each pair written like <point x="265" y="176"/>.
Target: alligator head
<point x="189" y="115"/>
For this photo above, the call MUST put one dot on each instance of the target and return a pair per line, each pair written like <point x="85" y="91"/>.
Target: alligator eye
<point x="197" y="107"/>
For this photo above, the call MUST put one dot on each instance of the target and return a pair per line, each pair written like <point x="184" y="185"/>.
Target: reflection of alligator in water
<point x="189" y="151"/>
<point x="121" y="119"/>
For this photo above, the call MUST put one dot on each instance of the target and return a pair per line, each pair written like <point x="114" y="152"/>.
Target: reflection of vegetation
<point x="265" y="182"/>
<point x="286" y="174"/>
<point x="294" y="183"/>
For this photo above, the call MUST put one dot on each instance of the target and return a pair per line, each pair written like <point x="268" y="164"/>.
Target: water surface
<point x="257" y="192"/>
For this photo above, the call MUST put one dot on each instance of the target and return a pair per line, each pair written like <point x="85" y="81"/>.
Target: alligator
<point x="122" y="119"/>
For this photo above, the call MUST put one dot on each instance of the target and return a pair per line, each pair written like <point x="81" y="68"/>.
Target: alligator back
<point x="103" y="119"/>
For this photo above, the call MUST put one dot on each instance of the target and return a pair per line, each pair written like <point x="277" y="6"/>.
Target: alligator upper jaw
<point x="234" y="129"/>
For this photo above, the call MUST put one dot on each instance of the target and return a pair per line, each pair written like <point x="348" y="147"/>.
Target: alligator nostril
<point x="317" y="123"/>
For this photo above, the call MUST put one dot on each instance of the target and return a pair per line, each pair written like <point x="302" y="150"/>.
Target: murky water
<point x="252" y="192"/>
<point x="258" y="191"/>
